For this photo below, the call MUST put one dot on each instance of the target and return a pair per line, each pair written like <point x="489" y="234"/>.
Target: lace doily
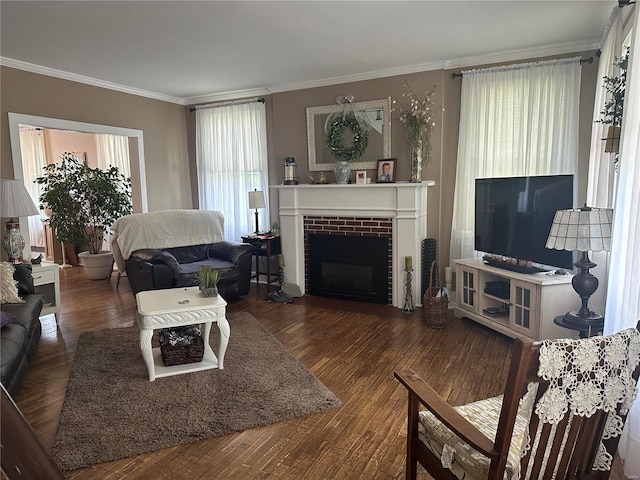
<point x="588" y="375"/>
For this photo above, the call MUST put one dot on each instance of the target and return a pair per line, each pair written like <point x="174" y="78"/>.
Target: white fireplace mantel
<point x="405" y="203"/>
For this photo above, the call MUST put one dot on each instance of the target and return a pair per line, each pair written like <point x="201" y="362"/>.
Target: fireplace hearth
<point x="350" y="267"/>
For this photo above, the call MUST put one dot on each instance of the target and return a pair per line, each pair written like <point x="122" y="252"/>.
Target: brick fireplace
<point x="352" y="229"/>
<point x="397" y="209"/>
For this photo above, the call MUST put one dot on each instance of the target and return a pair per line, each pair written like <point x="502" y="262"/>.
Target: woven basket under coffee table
<point x="178" y="307"/>
<point x="181" y="345"/>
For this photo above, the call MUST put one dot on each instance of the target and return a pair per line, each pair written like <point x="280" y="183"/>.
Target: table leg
<point x="147" y="352"/>
<point x="225" y="332"/>
<point x="268" y="266"/>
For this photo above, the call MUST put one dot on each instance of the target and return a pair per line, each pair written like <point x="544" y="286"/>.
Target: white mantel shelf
<point x="404" y="202"/>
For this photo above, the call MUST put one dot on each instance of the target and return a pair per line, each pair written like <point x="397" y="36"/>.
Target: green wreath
<point x="335" y="135"/>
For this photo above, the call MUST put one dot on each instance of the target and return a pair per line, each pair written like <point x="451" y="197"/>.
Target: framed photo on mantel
<point x="386" y="170"/>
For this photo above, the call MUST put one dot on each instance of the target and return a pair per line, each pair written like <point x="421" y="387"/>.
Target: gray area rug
<point x="112" y="411"/>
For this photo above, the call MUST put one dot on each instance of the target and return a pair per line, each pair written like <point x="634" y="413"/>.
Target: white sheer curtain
<point x="112" y="150"/>
<point x="601" y="163"/>
<point x="33" y="160"/>
<point x="514" y="121"/>
<point x="602" y="170"/>
<point x="623" y="296"/>
<point x="231" y="156"/>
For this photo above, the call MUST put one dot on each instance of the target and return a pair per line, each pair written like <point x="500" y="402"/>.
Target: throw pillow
<point x="6" y="318"/>
<point x="8" y="286"/>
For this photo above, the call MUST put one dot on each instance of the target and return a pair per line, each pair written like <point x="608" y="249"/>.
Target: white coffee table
<point x="176" y="307"/>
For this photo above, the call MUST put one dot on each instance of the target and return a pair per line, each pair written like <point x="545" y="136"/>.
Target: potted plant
<point x="613" y="108"/>
<point x="84" y="202"/>
<point x="208" y="278"/>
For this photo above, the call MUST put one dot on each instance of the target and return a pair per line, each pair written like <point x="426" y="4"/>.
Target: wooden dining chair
<point x="560" y="416"/>
<point x="23" y="455"/>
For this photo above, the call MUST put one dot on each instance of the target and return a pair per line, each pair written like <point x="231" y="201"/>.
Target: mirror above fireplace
<point x="378" y="113"/>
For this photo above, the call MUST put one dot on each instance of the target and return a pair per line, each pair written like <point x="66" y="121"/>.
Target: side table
<point x="175" y="307"/>
<point x="586" y="331"/>
<point x="266" y="245"/>
<point x="46" y="280"/>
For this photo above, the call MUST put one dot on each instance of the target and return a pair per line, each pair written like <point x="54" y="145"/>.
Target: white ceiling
<point x="193" y="51"/>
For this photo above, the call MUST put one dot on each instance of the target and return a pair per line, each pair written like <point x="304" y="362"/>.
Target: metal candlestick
<point x="408" y="293"/>
<point x="281" y="278"/>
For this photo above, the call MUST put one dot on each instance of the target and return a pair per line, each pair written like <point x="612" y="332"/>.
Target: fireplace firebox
<point x="350" y="267"/>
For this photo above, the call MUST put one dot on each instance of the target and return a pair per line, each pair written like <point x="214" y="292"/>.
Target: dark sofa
<point x="152" y="269"/>
<point x="19" y="339"/>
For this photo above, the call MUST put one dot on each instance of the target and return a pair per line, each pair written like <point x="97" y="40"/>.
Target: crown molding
<point x="52" y="72"/>
<point x="522" y="54"/>
<point x="359" y="77"/>
<point x="501" y="57"/>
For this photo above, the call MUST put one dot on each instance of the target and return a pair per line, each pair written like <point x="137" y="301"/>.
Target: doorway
<point x="136" y="155"/>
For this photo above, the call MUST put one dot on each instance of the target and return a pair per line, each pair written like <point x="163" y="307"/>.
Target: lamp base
<point x="13" y="242"/>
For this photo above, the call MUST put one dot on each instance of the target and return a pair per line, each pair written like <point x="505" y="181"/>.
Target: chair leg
<point x="412" y="433"/>
<point x="412" y="468"/>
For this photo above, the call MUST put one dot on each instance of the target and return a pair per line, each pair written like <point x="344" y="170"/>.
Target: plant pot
<point x="612" y="144"/>
<point x="98" y="266"/>
<point x="209" y="292"/>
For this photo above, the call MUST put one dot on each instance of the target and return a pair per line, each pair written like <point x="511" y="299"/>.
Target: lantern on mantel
<point x="290" y="171"/>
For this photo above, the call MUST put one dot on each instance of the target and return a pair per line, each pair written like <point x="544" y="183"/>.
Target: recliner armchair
<point x="165" y="249"/>
<point x="152" y="269"/>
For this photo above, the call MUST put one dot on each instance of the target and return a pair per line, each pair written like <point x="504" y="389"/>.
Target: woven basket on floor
<point x="435" y="309"/>
<point x="190" y="349"/>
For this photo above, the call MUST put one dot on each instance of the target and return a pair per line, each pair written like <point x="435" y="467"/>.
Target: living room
<point x="170" y="158"/>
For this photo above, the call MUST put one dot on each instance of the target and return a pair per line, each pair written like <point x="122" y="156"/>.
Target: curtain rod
<point x="229" y="102"/>
<point x="455" y="75"/>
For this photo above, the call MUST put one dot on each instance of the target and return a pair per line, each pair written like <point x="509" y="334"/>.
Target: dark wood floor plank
<point x="353" y="348"/>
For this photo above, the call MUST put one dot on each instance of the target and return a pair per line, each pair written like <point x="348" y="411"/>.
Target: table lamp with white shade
<point x="15" y="202"/>
<point x="582" y="229"/>
<point x="256" y="201"/>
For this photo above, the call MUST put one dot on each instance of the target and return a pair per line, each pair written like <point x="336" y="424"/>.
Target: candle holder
<point x="281" y="278"/>
<point x="408" y="292"/>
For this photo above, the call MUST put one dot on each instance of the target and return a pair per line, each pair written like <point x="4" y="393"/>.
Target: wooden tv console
<point x="518" y="304"/>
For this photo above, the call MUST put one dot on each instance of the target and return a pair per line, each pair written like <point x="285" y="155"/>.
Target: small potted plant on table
<point x="208" y="278"/>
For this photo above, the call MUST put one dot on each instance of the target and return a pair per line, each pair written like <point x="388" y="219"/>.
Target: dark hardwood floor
<point x="352" y="347"/>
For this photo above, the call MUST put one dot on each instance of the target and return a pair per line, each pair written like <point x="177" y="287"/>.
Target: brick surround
<point x="356" y="226"/>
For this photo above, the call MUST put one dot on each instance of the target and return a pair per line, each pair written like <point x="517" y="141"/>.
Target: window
<point x="515" y="120"/>
<point x="231" y="156"/>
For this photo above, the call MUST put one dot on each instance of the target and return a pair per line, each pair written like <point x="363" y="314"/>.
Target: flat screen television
<point x="513" y="216"/>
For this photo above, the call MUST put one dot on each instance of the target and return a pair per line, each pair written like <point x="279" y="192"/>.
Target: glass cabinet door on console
<point x="467" y="280"/>
<point x="523" y="317"/>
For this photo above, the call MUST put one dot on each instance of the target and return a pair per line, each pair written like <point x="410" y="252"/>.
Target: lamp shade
<point x="15" y="201"/>
<point x="581" y="229"/>
<point x="256" y="199"/>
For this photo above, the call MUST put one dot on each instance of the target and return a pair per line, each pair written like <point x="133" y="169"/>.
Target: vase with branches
<point x="418" y="119"/>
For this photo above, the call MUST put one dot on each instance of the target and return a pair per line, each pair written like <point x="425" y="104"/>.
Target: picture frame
<point x="361" y="177"/>
<point x="385" y="172"/>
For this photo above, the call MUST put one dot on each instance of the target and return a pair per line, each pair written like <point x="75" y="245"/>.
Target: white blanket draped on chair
<point x="164" y="229"/>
